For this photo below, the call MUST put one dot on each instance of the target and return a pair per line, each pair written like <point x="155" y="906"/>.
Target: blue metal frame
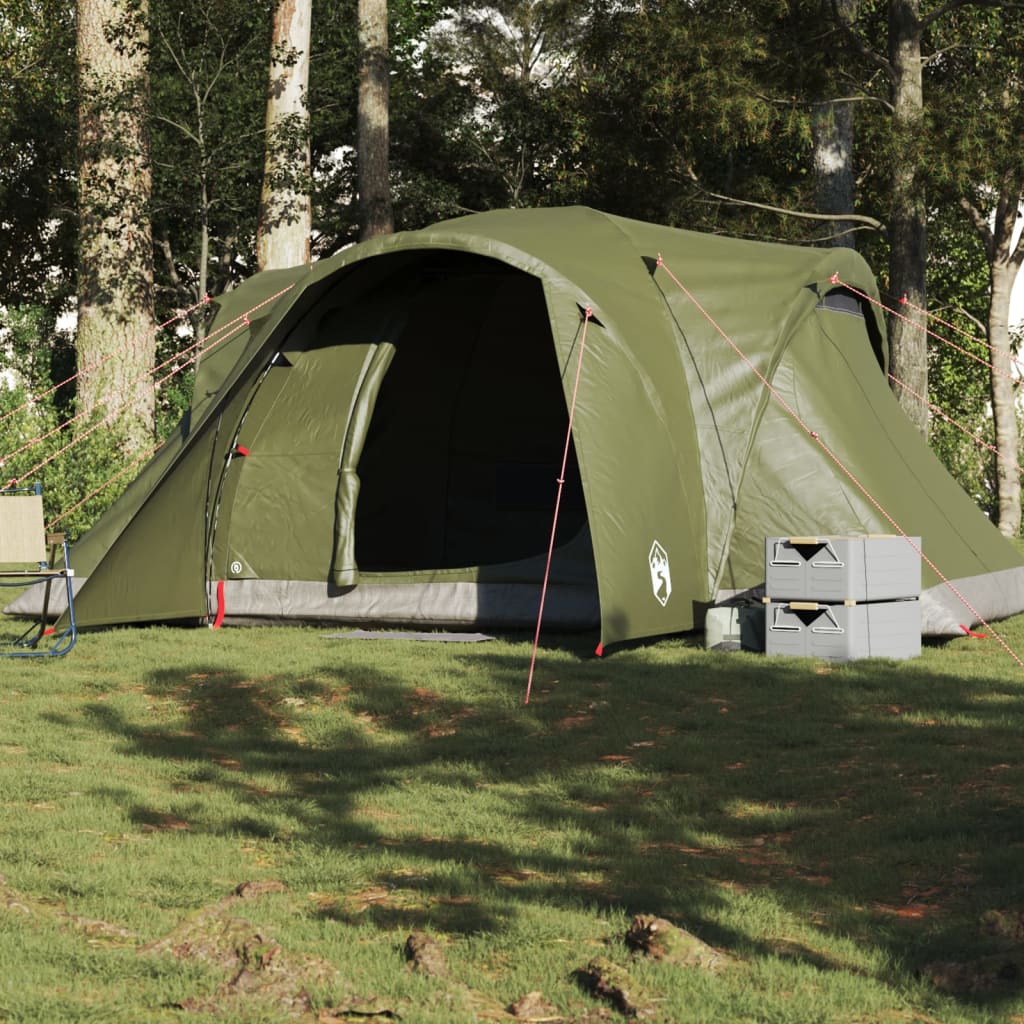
<point x="29" y="640"/>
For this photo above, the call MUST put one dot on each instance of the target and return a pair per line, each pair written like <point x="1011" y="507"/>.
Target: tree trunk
<point x="832" y="144"/>
<point x="286" y="214"/>
<point x="375" y="212"/>
<point x="1004" y="262"/>
<point x="116" y="318"/>
<point x="908" y="241"/>
<point x="832" y="136"/>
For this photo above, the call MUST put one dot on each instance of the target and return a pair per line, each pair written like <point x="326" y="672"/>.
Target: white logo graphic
<point x="661" y="576"/>
<point x="236" y="568"/>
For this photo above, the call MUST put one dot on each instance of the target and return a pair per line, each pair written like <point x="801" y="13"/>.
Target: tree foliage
<point x="686" y="76"/>
<point x="37" y="145"/>
<point x="208" y="109"/>
<point x="709" y="114"/>
<point x="979" y="169"/>
<point x="961" y="424"/>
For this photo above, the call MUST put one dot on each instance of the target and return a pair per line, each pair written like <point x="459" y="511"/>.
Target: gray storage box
<point x="843" y="632"/>
<point x="836" y="569"/>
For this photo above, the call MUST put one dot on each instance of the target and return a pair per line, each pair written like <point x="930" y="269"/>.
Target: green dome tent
<point x="378" y="438"/>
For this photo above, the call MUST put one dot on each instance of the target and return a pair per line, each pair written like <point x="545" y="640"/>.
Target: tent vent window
<point x="842" y="300"/>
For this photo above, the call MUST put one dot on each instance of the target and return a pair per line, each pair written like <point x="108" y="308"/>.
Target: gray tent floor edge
<point x="29" y="603"/>
<point x="992" y="596"/>
<point x="440" y="604"/>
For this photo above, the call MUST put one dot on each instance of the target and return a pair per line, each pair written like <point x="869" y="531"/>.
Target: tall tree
<point x="285" y="215"/>
<point x="832" y="140"/>
<point x="913" y="37"/>
<point x="995" y="217"/>
<point x="1004" y="250"/>
<point x="116" y="323"/>
<point x="832" y="163"/>
<point x="979" y="167"/>
<point x="908" y="232"/>
<point x="372" y="146"/>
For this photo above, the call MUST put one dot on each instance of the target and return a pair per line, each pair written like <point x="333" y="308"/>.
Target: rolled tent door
<point x="344" y="570"/>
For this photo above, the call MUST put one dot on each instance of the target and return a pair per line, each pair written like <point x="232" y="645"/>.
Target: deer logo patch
<point x="661" y="575"/>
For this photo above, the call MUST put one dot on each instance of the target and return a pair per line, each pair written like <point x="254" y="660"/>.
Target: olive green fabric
<point x="344" y="566"/>
<point x="395" y="417"/>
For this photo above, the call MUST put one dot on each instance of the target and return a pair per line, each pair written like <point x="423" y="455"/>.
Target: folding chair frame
<point x="28" y="644"/>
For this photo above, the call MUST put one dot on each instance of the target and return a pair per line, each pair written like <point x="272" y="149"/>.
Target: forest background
<point x="894" y="126"/>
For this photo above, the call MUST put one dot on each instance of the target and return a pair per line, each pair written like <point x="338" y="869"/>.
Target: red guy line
<point x="103" y="486"/>
<point x="959" y="426"/>
<point x="587" y="314"/>
<point x="835" y="279"/>
<point x="225" y="331"/>
<point x="959" y="330"/>
<point x="132" y="344"/>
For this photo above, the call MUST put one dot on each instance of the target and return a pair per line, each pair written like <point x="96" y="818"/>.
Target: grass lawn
<point x="849" y="838"/>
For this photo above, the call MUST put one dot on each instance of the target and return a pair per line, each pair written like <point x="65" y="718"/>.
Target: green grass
<point x="835" y="829"/>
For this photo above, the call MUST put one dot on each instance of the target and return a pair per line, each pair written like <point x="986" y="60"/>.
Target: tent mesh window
<point x="842" y="300"/>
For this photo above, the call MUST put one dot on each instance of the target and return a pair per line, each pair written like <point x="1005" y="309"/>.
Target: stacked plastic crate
<point x="841" y="598"/>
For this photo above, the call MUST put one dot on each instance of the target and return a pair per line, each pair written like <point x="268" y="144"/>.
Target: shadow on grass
<point x="878" y="802"/>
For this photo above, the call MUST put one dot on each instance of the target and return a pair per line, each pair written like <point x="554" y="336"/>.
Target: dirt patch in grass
<point x="259" y="973"/>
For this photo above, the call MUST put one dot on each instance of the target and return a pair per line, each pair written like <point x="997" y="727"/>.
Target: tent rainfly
<point x="381" y="441"/>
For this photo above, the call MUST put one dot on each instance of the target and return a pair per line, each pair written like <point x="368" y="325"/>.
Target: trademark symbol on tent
<point x="661" y="576"/>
